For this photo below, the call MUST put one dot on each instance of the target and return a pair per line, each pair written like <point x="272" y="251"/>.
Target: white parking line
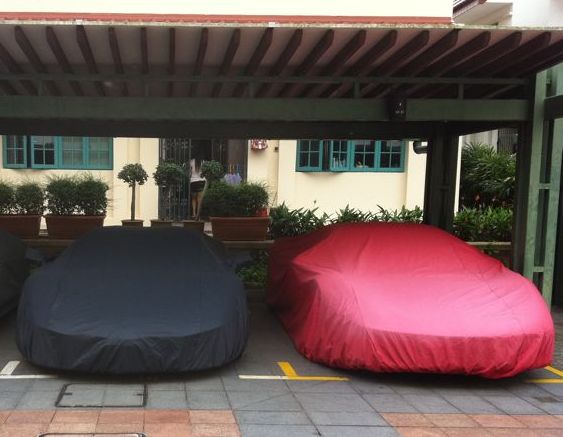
<point x="27" y="377"/>
<point x="9" y="368"/>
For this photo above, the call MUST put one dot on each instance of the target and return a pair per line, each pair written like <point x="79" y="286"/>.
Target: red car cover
<point x="406" y="298"/>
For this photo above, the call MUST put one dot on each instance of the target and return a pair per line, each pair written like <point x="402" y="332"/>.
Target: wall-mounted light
<point x="258" y="144"/>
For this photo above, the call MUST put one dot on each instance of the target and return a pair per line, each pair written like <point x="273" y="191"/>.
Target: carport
<point x="245" y="77"/>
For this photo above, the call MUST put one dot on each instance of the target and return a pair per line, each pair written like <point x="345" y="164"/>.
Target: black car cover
<point x="14" y="268"/>
<point x="134" y="300"/>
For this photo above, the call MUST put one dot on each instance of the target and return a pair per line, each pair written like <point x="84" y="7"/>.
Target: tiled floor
<point x="219" y="403"/>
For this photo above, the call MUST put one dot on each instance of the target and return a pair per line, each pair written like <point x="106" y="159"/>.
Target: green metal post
<point x="441" y="166"/>
<point x="546" y="152"/>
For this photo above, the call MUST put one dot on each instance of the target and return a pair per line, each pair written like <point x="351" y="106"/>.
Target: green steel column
<point x="554" y="181"/>
<point x="546" y="151"/>
<point x="441" y="166"/>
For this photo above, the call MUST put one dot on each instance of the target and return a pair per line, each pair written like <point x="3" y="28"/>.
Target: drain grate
<point x="102" y="395"/>
<point x="96" y="434"/>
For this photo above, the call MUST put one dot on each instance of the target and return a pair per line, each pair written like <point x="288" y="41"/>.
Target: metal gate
<point x="177" y="151"/>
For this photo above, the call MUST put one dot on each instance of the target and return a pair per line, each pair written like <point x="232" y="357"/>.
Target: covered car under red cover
<point x="406" y="298"/>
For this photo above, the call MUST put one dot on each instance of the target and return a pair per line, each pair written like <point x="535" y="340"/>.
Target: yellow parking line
<point x="554" y="370"/>
<point x="287" y="369"/>
<point x="292" y="375"/>
<point x="549" y="380"/>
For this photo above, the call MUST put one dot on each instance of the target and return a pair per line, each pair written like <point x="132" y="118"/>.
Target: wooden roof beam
<point x="337" y="61"/>
<point x="393" y="63"/>
<point x="144" y="51"/>
<point x="543" y="59"/>
<point x="198" y="65"/>
<point x="256" y="59"/>
<point x="474" y="63"/>
<point x="227" y="60"/>
<point x="364" y="63"/>
<point x="290" y="49"/>
<point x="116" y="55"/>
<point x="59" y="53"/>
<point x="13" y="67"/>
<point x="309" y="62"/>
<point x="88" y="55"/>
<point x="414" y="67"/>
<point x="38" y="65"/>
<point x="171" y="58"/>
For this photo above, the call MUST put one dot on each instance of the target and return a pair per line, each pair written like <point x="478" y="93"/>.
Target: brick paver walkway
<point x="222" y="423"/>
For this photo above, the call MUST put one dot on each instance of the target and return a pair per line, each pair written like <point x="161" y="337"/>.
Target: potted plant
<point x="76" y="205"/>
<point x="21" y="208"/>
<point x="167" y="176"/>
<point x="133" y="175"/>
<point x="233" y="211"/>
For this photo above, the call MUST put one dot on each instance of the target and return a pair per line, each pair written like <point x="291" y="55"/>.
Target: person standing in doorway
<point x="197" y="185"/>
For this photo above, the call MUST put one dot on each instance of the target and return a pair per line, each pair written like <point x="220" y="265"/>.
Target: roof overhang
<point x="189" y="61"/>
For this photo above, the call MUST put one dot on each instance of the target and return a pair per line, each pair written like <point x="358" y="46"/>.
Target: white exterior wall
<point x="331" y="191"/>
<point x="410" y="8"/>
<point x="125" y="151"/>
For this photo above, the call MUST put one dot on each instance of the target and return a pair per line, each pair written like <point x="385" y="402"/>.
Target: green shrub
<point x="244" y="200"/>
<point x="62" y="195"/>
<point x="7" y="198"/>
<point x="487" y="224"/>
<point x="487" y="177"/>
<point x="30" y="199"/>
<point x="213" y="171"/>
<point x="353" y="215"/>
<point x="92" y="198"/>
<point x="255" y="271"/>
<point x="168" y="174"/>
<point x="404" y="215"/>
<point x="289" y="223"/>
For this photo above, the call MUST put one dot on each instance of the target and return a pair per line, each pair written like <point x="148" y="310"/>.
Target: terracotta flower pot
<point x="155" y="223"/>
<point x="23" y="226"/>
<point x="195" y="225"/>
<point x="132" y="223"/>
<point x="240" y="228"/>
<point x="70" y="227"/>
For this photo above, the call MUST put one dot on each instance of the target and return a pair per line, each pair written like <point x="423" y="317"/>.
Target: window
<point x="15" y="151"/>
<point x="391" y="155"/>
<point x="339" y="155"/>
<point x="94" y="153"/>
<point x="310" y="155"/>
<point x="43" y="152"/>
<point x="351" y="155"/>
<point x="363" y="153"/>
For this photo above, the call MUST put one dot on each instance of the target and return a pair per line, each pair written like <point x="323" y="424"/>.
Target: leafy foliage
<point x="30" y="199"/>
<point x="244" y="200"/>
<point x="7" y="198"/>
<point x="291" y="222"/>
<point x="487" y="177"/>
<point x="213" y="171"/>
<point x="168" y="174"/>
<point x="487" y="224"/>
<point x="133" y="174"/>
<point x="62" y="195"/>
<point x="92" y="199"/>
<point x="255" y="271"/>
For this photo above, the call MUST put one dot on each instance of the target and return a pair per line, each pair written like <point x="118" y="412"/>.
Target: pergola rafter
<point x="259" y="53"/>
<point x="116" y="55"/>
<point x="62" y="59"/>
<point x="86" y="50"/>
<point x="227" y="60"/>
<point x="200" y="59"/>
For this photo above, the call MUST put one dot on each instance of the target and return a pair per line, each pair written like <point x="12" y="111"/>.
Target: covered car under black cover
<point x="14" y="268"/>
<point x="126" y="300"/>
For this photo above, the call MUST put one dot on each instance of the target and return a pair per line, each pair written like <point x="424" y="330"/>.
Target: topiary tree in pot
<point x="133" y="175"/>
<point x="167" y="176"/>
<point x="77" y="204"/>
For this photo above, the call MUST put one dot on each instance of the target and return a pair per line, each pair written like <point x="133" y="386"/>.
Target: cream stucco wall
<point x="411" y="8"/>
<point x="125" y="150"/>
<point x="331" y="191"/>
